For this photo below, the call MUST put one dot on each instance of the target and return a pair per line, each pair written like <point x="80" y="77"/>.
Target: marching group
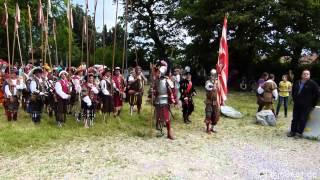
<point x="83" y="91"/>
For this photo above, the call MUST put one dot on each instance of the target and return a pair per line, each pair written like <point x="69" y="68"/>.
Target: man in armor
<point x="212" y="107"/>
<point x="37" y="91"/>
<point x="119" y="91"/>
<point x="135" y="89"/>
<point x="187" y="91"/>
<point x="163" y="92"/>
<point x="176" y="78"/>
<point x="62" y="91"/>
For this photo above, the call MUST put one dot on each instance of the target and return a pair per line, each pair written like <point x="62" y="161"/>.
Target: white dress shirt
<point x="59" y="91"/>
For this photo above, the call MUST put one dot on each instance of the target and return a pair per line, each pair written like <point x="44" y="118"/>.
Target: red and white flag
<point x="40" y="14"/>
<point x="17" y="17"/>
<point x="222" y="66"/>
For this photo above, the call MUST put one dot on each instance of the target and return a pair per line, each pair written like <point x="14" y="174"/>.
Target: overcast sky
<point x="109" y="12"/>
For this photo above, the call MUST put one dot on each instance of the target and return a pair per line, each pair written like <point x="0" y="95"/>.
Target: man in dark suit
<point x="305" y="94"/>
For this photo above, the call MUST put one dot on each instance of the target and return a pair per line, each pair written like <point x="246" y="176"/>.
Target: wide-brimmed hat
<point x="46" y="67"/>
<point x="106" y="69"/>
<point x="63" y="72"/>
<point x="35" y="71"/>
<point x="79" y="69"/>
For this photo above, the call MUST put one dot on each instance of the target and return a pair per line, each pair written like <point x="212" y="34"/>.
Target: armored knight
<point x="212" y="108"/>
<point x="163" y="92"/>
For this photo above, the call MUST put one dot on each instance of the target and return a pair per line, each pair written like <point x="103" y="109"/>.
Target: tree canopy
<point x="182" y="31"/>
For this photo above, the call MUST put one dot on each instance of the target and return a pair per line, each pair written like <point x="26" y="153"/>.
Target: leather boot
<point x="15" y="116"/>
<point x="208" y="128"/>
<point x="170" y="136"/>
<point x="185" y="119"/>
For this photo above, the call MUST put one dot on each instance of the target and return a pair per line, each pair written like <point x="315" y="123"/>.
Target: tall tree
<point x="154" y="24"/>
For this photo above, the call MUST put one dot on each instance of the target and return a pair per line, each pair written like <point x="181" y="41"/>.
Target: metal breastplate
<point x="162" y="90"/>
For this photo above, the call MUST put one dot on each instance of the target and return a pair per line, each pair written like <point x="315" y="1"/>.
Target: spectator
<point x="305" y="94"/>
<point x="269" y="93"/>
<point x="261" y="81"/>
<point x="285" y="87"/>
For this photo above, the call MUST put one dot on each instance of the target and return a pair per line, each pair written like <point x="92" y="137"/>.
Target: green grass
<point x="18" y="136"/>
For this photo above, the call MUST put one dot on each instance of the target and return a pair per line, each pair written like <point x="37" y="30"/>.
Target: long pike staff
<point x="30" y="33"/>
<point x="134" y="35"/>
<point x="8" y="40"/>
<point x="103" y="34"/>
<point x="87" y="30"/>
<point x="125" y="37"/>
<point x="46" y="29"/>
<point x="83" y="28"/>
<point x="16" y="33"/>
<point x="70" y="24"/>
<point x="41" y="23"/>
<point x="19" y="47"/>
<point x="94" y="33"/>
<point x="54" y="30"/>
<point x="152" y="95"/>
<point x="115" y="36"/>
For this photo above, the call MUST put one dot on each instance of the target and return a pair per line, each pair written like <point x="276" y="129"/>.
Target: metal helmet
<point x="213" y="72"/>
<point x="163" y="67"/>
<point x="187" y="69"/>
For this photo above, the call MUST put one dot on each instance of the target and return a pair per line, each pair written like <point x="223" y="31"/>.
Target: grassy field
<point x="124" y="148"/>
<point x="18" y="136"/>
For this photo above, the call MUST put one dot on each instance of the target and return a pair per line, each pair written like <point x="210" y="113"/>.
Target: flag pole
<point x="30" y="34"/>
<point x="7" y="29"/>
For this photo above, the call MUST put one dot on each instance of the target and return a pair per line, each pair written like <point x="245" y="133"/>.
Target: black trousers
<point x="61" y="110"/>
<point x="187" y="108"/>
<point x="299" y="118"/>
